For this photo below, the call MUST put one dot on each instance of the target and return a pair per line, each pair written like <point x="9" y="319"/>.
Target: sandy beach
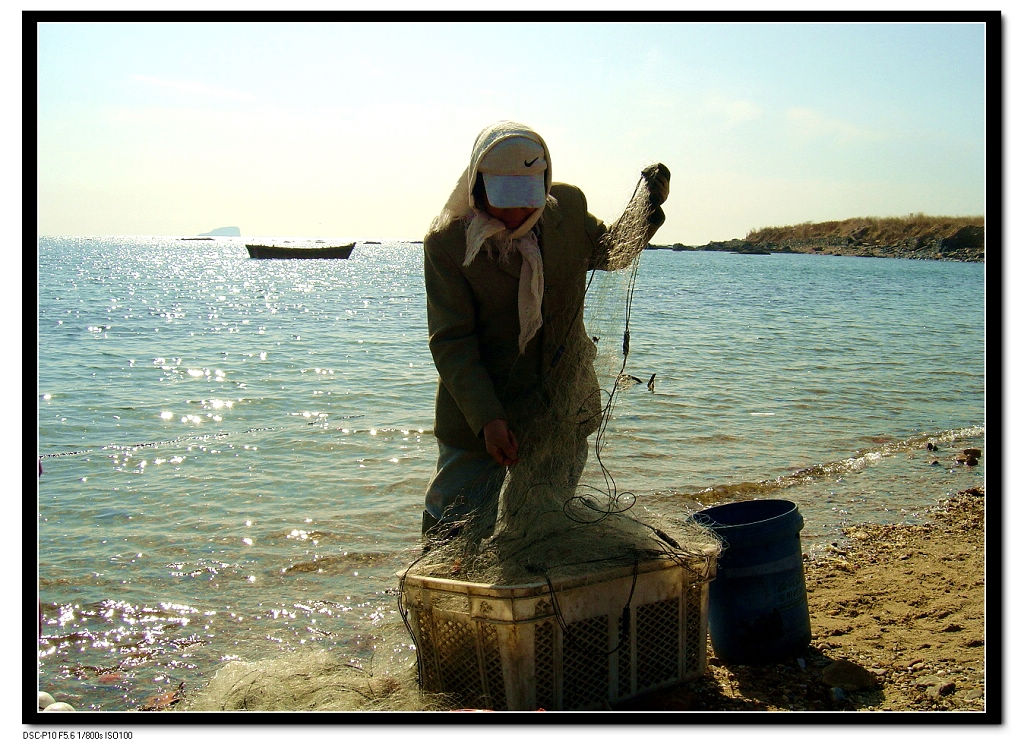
<point x="897" y="621"/>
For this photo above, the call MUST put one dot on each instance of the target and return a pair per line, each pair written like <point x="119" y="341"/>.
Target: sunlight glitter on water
<point x="333" y="438"/>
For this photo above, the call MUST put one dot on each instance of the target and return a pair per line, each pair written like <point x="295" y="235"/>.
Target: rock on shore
<point x="910" y="249"/>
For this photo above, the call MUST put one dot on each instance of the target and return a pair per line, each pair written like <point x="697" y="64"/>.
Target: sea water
<point x="234" y="451"/>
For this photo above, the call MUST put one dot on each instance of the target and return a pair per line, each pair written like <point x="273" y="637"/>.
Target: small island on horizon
<point x="916" y="236"/>
<point x="223" y="231"/>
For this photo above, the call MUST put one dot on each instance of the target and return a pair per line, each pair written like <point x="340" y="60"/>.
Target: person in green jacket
<point x="505" y="271"/>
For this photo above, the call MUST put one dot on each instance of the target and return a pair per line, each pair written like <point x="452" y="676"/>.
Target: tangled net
<point x="307" y="681"/>
<point x="548" y="522"/>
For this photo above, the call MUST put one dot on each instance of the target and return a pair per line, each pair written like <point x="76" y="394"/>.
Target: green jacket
<point x="473" y="323"/>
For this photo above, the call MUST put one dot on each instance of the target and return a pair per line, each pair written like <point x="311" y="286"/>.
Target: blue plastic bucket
<point x="757" y="604"/>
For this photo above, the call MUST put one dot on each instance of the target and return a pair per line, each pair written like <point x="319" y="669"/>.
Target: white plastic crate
<point x="579" y="644"/>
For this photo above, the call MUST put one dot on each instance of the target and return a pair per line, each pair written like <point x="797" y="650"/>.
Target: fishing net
<point x="311" y="681"/>
<point x="561" y="511"/>
<point x="547" y="521"/>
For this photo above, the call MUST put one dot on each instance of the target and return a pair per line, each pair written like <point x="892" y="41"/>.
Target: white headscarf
<point x="481" y="226"/>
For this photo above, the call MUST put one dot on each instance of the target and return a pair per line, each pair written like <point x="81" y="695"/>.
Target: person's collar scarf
<point x="483" y="226"/>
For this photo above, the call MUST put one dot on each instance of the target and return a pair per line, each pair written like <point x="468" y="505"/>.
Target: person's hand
<point x="657" y="177"/>
<point x="501" y="443"/>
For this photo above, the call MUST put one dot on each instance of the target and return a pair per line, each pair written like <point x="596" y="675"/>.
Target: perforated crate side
<point x="659" y="655"/>
<point x="493" y="666"/>
<point x="426" y="650"/>
<point x="585" y="663"/>
<point x="547" y="696"/>
<point x="516" y="654"/>
<point x="458" y="660"/>
<point x="624" y="656"/>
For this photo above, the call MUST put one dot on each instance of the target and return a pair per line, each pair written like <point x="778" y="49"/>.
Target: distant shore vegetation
<point x="914" y="236"/>
<point x="892" y="230"/>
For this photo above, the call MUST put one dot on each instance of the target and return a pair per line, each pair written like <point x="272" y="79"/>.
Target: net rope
<point x="549" y="522"/>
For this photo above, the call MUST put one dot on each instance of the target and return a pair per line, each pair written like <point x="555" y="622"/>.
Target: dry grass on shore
<point x="890" y="230"/>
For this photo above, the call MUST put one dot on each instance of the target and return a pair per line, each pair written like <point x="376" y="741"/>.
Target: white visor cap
<point x="514" y="173"/>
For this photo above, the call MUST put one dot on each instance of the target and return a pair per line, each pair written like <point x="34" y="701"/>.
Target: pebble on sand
<point x="848" y="676"/>
<point x="47" y="703"/>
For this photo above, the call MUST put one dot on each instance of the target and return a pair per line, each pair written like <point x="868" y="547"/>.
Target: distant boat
<point x="261" y="251"/>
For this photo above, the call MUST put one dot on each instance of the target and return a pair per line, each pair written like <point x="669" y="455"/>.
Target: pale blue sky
<point x="361" y="129"/>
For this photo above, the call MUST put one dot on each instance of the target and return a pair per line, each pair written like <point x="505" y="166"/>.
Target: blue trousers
<point x="464" y="481"/>
<point x="468" y="481"/>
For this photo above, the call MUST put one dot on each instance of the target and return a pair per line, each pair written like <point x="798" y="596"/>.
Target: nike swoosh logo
<point x="528" y="164"/>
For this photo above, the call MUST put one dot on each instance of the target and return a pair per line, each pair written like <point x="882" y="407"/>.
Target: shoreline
<point x="897" y="617"/>
<point x="829" y="247"/>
